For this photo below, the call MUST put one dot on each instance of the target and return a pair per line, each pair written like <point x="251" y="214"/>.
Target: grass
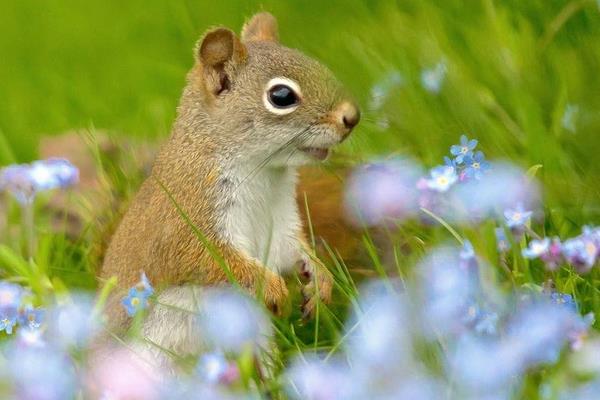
<point x="513" y="68"/>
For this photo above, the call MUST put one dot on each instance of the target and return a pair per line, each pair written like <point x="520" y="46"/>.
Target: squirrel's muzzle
<point x="346" y="116"/>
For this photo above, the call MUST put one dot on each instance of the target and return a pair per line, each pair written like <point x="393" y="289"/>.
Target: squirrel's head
<point x="266" y="101"/>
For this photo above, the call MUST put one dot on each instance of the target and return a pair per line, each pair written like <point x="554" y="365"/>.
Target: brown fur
<point x="219" y="116"/>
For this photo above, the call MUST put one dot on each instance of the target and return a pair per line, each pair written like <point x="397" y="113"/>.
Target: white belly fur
<point x="262" y="220"/>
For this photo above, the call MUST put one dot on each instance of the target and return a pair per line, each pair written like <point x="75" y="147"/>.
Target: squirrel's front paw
<point x="318" y="288"/>
<point x="275" y="293"/>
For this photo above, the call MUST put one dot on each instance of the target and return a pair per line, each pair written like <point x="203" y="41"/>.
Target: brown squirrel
<point x="253" y="111"/>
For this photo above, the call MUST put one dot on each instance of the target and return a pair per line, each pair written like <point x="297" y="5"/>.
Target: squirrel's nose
<point x="349" y="116"/>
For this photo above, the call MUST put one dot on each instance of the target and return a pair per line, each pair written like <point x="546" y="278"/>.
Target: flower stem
<point x="29" y="228"/>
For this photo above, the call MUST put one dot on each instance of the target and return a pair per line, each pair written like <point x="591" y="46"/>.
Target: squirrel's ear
<point x="220" y="52"/>
<point x="261" y="27"/>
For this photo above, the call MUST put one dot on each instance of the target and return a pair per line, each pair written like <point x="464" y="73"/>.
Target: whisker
<point x="279" y="150"/>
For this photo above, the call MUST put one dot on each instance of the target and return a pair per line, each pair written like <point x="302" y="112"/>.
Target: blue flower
<point x="536" y="248"/>
<point x="463" y="149"/>
<point x="442" y="178"/>
<point x="433" y="78"/>
<point x="502" y="243"/>
<point x="137" y="298"/>
<point x="487" y="323"/>
<point x="563" y="299"/>
<point x="24" y="181"/>
<point x="517" y="217"/>
<point x="450" y="162"/>
<point x="10" y="296"/>
<point x="475" y="165"/>
<point x="31" y="317"/>
<point x="7" y="323"/>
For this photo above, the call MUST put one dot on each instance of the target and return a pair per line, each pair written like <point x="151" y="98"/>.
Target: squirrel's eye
<point x="282" y="96"/>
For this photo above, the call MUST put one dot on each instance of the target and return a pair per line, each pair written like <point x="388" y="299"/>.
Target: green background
<point x="513" y="66"/>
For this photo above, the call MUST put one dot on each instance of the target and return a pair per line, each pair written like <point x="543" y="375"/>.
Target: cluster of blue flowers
<point x="16" y="308"/>
<point x="465" y="164"/>
<point x="25" y="181"/>
<point x="137" y="297"/>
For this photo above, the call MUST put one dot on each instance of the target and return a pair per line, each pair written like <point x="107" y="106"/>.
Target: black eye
<point x="282" y="96"/>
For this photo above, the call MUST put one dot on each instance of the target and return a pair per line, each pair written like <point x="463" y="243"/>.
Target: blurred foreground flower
<point x="24" y="181"/>
<point x="433" y="78"/>
<point x="121" y="374"/>
<point x="382" y="192"/>
<point x="232" y="322"/>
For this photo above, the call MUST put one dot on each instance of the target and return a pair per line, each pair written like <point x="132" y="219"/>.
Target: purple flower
<point x="581" y="252"/>
<point x="214" y="368"/>
<point x="476" y="165"/>
<point x="546" y="249"/>
<point x="442" y="178"/>
<point x="464" y="149"/>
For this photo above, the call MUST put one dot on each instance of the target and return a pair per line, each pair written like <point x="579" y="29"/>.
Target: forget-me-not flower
<point x="137" y="298"/>
<point x="516" y="218"/>
<point x="442" y="178"/>
<point x="463" y="149"/>
<point x="475" y="165"/>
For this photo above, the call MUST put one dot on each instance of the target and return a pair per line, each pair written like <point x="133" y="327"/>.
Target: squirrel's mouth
<point x="316" y="152"/>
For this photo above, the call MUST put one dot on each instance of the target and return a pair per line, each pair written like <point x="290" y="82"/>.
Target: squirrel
<point x="252" y="113"/>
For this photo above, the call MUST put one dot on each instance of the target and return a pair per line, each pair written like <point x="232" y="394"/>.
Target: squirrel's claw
<point x="275" y="293"/>
<point x="318" y="289"/>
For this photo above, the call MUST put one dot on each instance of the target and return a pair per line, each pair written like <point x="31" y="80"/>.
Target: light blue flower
<point x="463" y="149"/>
<point x="569" y="118"/>
<point x="10" y="296"/>
<point x="475" y="165"/>
<point x="502" y="243"/>
<point x="516" y="218"/>
<point x="73" y="324"/>
<point x="380" y="92"/>
<point x="135" y="301"/>
<point x="214" y="368"/>
<point x="24" y="181"/>
<point x="7" y="323"/>
<point x="442" y="178"/>
<point x="536" y="248"/>
<point x="487" y="323"/>
<point x="432" y="79"/>
<point x="230" y="321"/>
<point x="31" y="317"/>
<point x="137" y="297"/>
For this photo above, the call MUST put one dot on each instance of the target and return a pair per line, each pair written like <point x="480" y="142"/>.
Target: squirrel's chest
<point x="261" y="218"/>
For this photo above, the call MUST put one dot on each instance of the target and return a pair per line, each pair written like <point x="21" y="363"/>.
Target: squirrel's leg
<point x="252" y="276"/>
<point x="319" y="280"/>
